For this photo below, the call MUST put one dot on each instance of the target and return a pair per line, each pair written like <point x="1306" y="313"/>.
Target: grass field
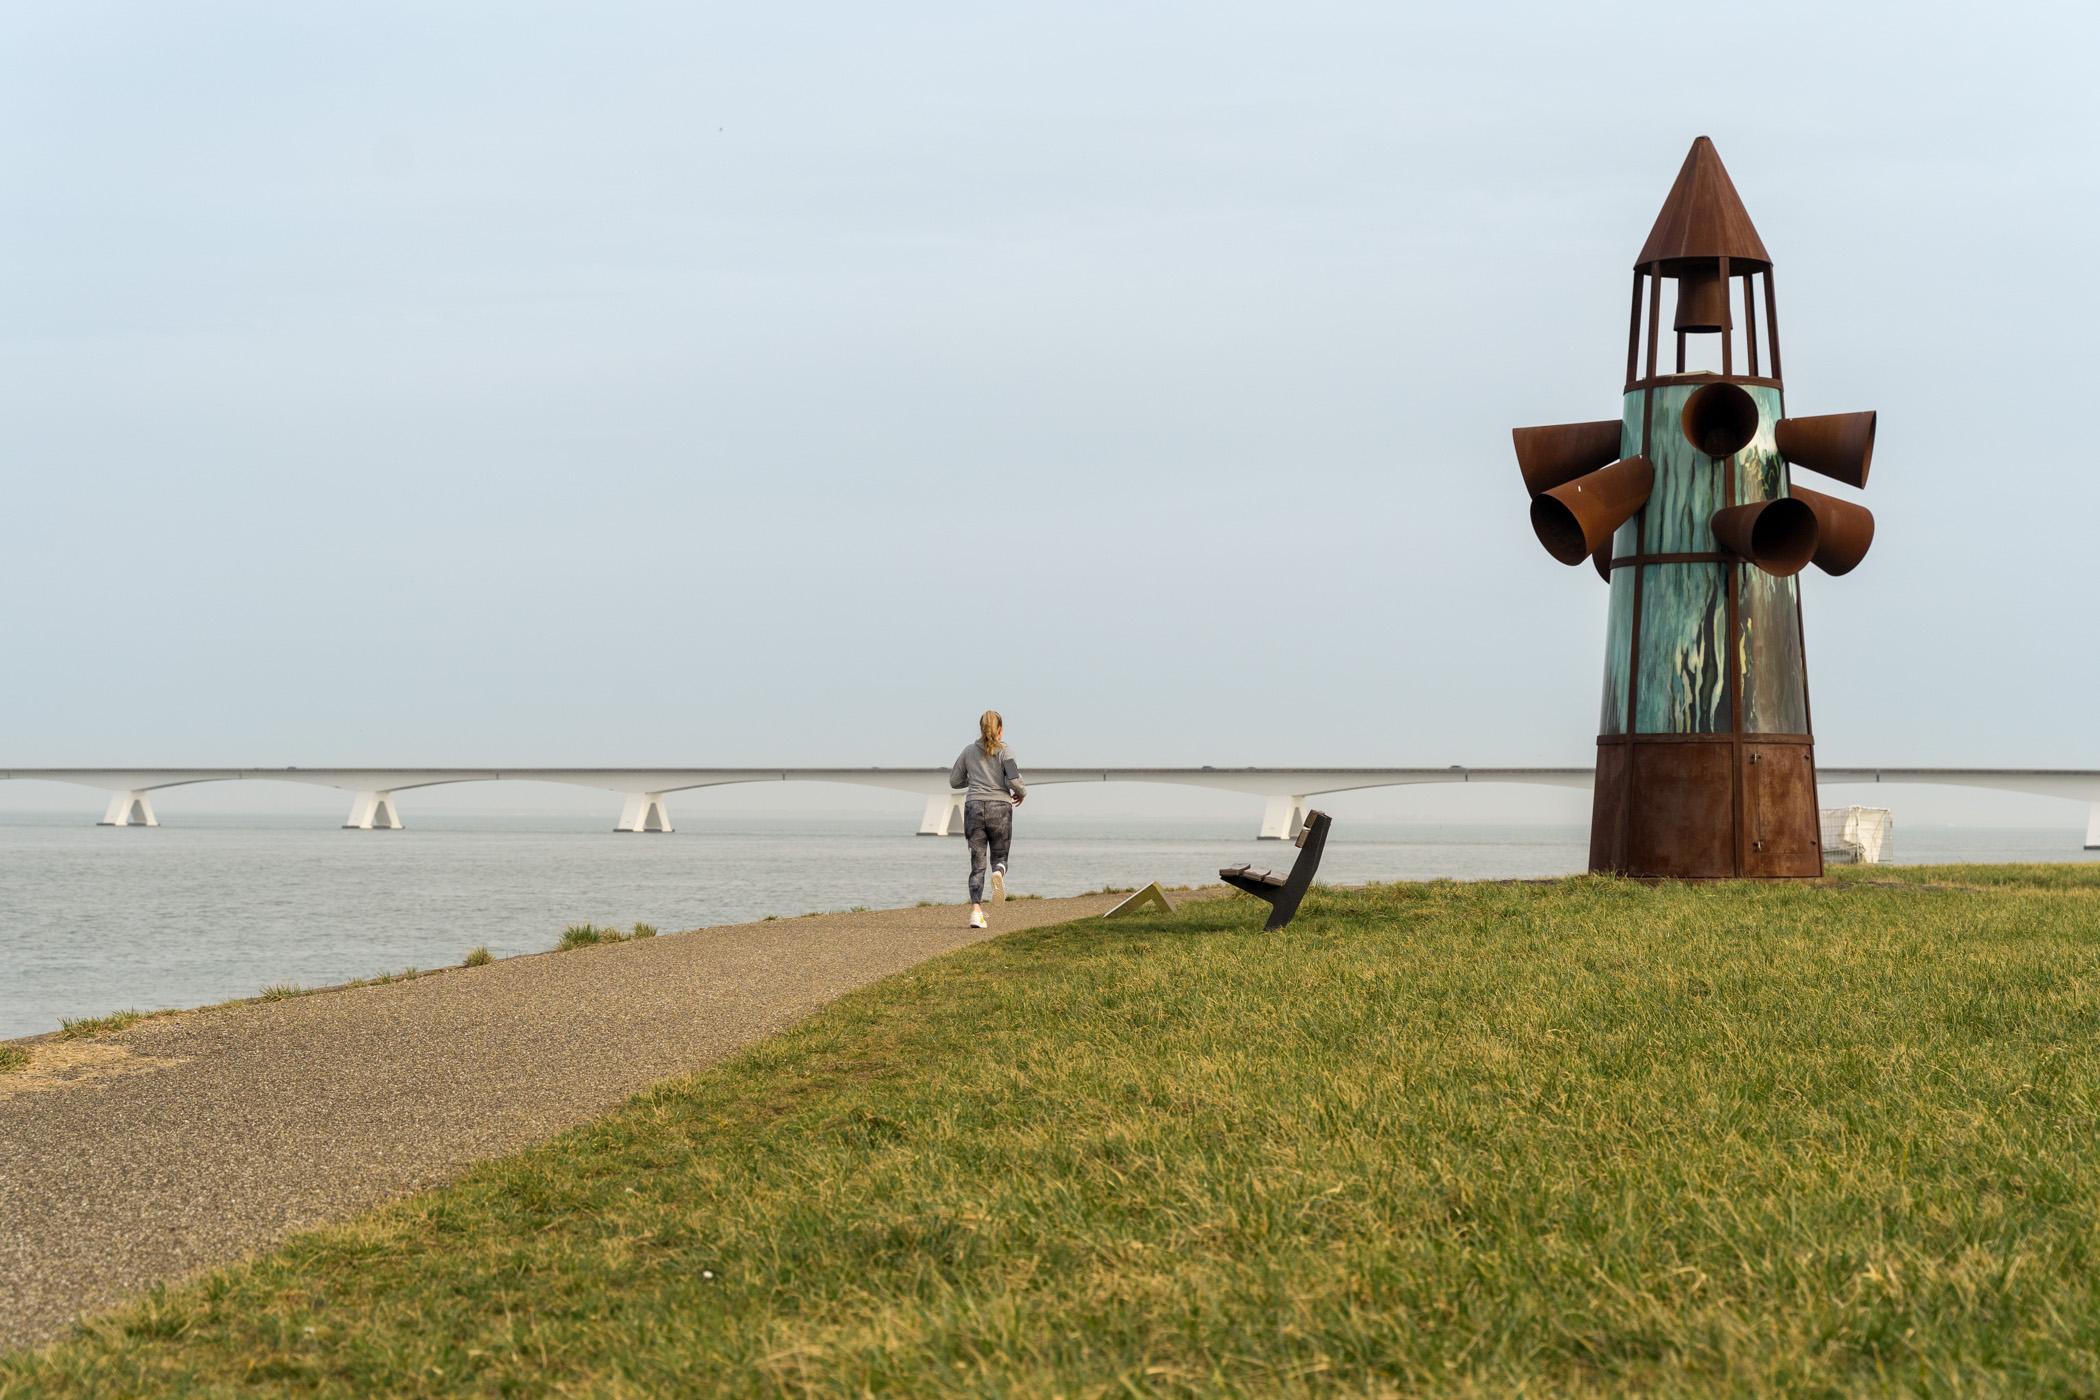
<point x="1474" y="1139"/>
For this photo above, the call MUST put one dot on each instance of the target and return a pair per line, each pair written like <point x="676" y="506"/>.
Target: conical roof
<point x="1704" y="218"/>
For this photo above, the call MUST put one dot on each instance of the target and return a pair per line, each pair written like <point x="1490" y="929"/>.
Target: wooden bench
<point x="1284" y="892"/>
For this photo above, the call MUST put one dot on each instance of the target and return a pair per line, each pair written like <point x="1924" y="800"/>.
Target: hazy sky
<point x="615" y="383"/>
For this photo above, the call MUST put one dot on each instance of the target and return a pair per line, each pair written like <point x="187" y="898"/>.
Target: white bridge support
<point x="644" y="811"/>
<point x="1282" y="818"/>
<point x="372" y="811"/>
<point x="1286" y="793"/>
<point x="129" y="809"/>
<point x="944" y="815"/>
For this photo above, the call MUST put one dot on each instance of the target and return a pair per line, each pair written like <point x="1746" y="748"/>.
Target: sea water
<point x="93" y="920"/>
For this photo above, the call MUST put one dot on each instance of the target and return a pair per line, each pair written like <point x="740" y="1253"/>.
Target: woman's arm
<point x="957" y="777"/>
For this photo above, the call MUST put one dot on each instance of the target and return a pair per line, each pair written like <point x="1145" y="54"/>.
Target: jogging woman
<point x="988" y="770"/>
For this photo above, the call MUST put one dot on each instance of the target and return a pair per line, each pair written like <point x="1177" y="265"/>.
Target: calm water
<point x="95" y="919"/>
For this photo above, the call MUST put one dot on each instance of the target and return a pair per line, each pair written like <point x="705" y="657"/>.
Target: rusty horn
<point x="1844" y="531"/>
<point x="1720" y="419"/>
<point x="1576" y="520"/>
<point x="1555" y="455"/>
<point x="1778" y="536"/>
<point x="1839" y="445"/>
<point x="1602" y="559"/>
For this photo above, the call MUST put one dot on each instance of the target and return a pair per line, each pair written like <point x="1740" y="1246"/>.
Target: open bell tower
<point x="1686" y="506"/>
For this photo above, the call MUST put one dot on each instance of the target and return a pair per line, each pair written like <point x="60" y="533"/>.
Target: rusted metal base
<point x="1706" y="807"/>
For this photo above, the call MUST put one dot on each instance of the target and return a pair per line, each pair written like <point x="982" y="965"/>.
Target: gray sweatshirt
<point x="988" y="779"/>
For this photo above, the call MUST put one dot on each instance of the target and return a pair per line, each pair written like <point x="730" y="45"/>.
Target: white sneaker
<point x="998" y="884"/>
<point x="977" y="920"/>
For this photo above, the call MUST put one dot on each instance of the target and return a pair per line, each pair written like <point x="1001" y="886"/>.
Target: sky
<point x="520" y="384"/>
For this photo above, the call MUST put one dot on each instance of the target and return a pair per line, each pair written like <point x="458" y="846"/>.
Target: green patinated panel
<point x="1618" y="653"/>
<point x="1627" y="540"/>
<point x="1775" y="696"/>
<point x="1760" y="472"/>
<point x="1689" y="486"/>
<point x="1680" y="674"/>
<point x="1682" y="668"/>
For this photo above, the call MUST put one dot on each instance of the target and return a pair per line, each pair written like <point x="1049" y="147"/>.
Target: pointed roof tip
<point x="1703" y="217"/>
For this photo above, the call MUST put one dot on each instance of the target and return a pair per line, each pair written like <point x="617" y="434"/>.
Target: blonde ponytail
<point x="988" y="726"/>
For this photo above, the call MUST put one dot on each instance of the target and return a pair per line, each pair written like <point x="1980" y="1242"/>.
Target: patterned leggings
<point x="990" y="828"/>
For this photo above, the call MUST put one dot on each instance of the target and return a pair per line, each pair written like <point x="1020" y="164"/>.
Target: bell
<point x="1702" y="301"/>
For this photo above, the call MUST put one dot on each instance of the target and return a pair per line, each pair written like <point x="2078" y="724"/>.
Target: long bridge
<point x="1285" y="792"/>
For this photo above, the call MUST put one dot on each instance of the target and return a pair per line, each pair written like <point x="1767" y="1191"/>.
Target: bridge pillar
<point x="372" y="811"/>
<point x="944" y="815"/>
<point x="644" y="811"/>
<point x="1283" y="818"/>
<point x="129" y="809"/>
<point x="2092" y="827"/>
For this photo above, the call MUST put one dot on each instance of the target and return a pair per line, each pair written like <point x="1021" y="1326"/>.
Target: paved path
<point x="192" y="1140"/>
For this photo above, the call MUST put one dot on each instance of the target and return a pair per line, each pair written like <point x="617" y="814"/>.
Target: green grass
<point x="2083" y="875"/>
<point x="1576" y="1137"/>
<point x="587" y="936"/>
<point x="590" y="935"/>
<point x="73" y="1028"/>
<point x="479" y="957"/>
<point x="279" y="991"/>
<point x="13" y="1059"/>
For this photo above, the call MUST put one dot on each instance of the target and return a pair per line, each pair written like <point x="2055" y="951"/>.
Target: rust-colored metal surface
<point x="1576" y="520"/>
<point x="1781" y="837"/>
<point x="1608" y="808"/>
<point x="1703" y="219"/>
<point x="1844" y="531"/>
<point x="1839" y="445"/>
<point x="1720" y="419"/>
<point x="1680" y="818"/>
<point x="1777" y="536"/>
<point x="1702" y="302"/>
<point x="1704" y="661"/>
<point x="1556" y="454"/>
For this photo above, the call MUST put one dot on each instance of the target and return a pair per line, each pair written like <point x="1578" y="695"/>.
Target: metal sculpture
<point x="1285" y="892"/>
<point x="1685" y="504"/>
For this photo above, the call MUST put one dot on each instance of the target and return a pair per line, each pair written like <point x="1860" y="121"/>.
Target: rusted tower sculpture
<point x="1686" y="505"/>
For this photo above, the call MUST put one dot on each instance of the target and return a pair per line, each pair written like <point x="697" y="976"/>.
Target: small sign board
<point x="1150" y="897"/>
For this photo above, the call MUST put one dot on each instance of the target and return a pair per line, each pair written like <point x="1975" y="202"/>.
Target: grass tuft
<point x="278" y="991"/>
<point x="587" y="936"/>
<point x="75" y="1027"/>
<point x="641" y="930"/>
<point x="478" y="958"/>
<point x="13" y="1059"/>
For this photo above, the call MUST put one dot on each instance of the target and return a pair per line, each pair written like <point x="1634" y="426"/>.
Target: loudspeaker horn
<point x="1576" y="520"/>
<point x="1720" y="419"/>
<point x="1844" y="531"/>
<point x="1839" y="445"/>
<point x="1777" y="536"/>
<point x="1558" y="453"/>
